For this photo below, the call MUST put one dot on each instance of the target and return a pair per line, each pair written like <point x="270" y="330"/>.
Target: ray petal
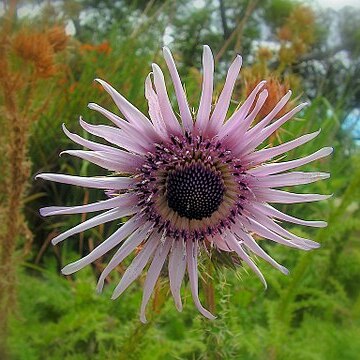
<point x="275" y="168"/>
<point x="132" y="114"/>
<point x="139" y="233"/>
<point x="260" y="217"/>
<point x="269" y="153"/>
<point x="290" y="179"/>
<point x="124" y="201"/>
<point x="237" y="118"/>
<point x="277" y="108"/>
<point x="152" y="275"/>
<point x="191" y="254"/>
<point x="100" y="182"/>
<point x="154" y="107"/>
<point x="114" y="136"/>
<point x="87" y="143"/>
<point x="255" y="138"/>
<point x="121" y="162"/>
<point x="115" y="239"/>
<point x="271" y="211"/>
<point x="136" y="267"/>
<point x="103" y="218"/>
<point x="177" y="266"/>
<point x="284" y="197"/>
<point x="166" y="109"/>
<point x="203" y="115"/>
<point x="235" y="245"/>
<point x="222" y="106"/>
<point x="250" y="243"/>
<point x="179" y="90"/>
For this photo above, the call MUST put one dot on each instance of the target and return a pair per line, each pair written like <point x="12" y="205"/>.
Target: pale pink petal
<point x="115" y="119"/>
<point x="222" y="106"/>
<point x="284" y="197"/>
<point x="220" y="243"/>
<point x="177" y="266"/>
<point x="236" y="120"/>
<point x="154" y="108"/>
<point x="255" y="138"/>
<point x="235" y="245"/>
<point x="251" y="117"/>
<point x="131" y="113"/>
<point x="144" y="138"/>
<point x="114" y="136"/>
<point x="238" y="134"/>
<point x="260" y="229"/>
<point x="125" y="200"/>
<point x="136" y="267"/>
<point x="134" y="240"/>
<point x="203" y="115"/>
<point x="103" y="218"/>
<point x="122" y="162"/>
<point x="269" y="153"/>
<point x="101" y="182"/>
<point x="307" y="243"/>
<point x="167" y="111"/>
<point x="251" y="244"/>
<point x="152" y="275"/>
<point x="87" y="143"/>
<point x="261" y="218"/>
<point x="275" y="168"/>
<point x="115" y="239"/>
<point x="179" y="90"/>
<point x="191" y="254"/>
<point x="290" y="179"/>
<point x="268" y="118"/>
<point x="271" y="211"/>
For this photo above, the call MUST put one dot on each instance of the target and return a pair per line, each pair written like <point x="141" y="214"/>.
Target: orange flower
<point x="299" y="31"/>
<point x="87" y="47"/>
<point x="287" y="55"/>
<point x="284" y="33"/>
<point x="57" y="38"/>
<point x="98" y="86"/>
<point x="72" y="87"/>
<point x="276" y="90"/>
<point x="104" y="48"/>
<point x="299" y="47"/>
<point x="264" y="54"/>
<point x="302" y="15"/>
<point x="35" y="47"/>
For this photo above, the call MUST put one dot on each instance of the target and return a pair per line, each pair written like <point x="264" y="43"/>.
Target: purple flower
<point x="188" y="182"/>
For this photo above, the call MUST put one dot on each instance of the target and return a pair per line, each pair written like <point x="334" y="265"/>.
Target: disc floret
<point x="192" y="187"/>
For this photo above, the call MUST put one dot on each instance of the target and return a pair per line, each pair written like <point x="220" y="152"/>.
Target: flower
<point x="36" y="48"/>
<point x="57" y="38"/>
<point x="276" y="90"/>
<point x="188" y="184"/>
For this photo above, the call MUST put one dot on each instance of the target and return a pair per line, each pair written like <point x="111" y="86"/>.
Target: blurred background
<point x="50" y="52"/>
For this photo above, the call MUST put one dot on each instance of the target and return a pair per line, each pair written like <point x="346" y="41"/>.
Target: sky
<point x="28" y="9"/>
<point x="337" y="4"/>
<point x="334" y="4"/>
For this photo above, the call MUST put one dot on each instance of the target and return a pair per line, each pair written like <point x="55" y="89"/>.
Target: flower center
<point x="191" y="187"/>
<point x="194" y="192"/>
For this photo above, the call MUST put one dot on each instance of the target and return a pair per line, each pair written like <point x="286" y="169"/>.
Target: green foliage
<point x="276" y="11"/>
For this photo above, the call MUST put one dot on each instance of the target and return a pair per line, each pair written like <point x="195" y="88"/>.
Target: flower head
<point x="188" y="183"/>
<point x="36" y="48"/>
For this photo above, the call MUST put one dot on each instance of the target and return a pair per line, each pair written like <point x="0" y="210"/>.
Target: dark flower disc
<point x="195" y="191"/>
